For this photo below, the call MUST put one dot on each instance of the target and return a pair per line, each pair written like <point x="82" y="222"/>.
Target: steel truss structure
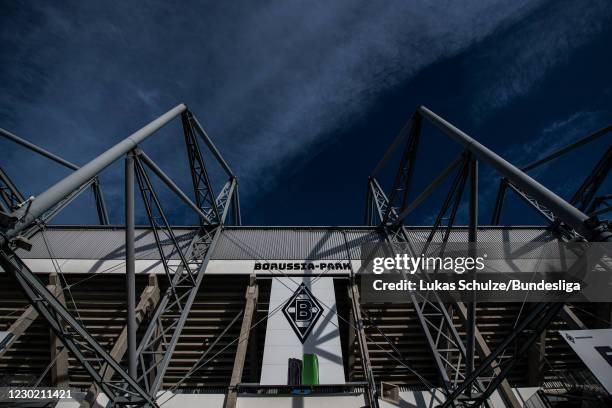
<point x="463" y="384"/>
<point x="185" y="263"/>
<point x="148" y="362"/>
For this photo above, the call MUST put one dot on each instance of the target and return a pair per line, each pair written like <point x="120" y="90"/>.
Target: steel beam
<point x="31" y="146"/>
<point x="167" y="312"/>
<point x="585" y="195"/>
<point x="171" y="185"/>
<point x="564" y="210"/>
<point x="398" y="198"/>
<point x="238" y="215"/>
<point x="73" y="181"/>
<point x="523" y="336"/>
<point x="130" y="264"/>
<point x="53" y="211"/>
<point x="472" y="239"/>
<point x="149" y="298"/>
<point x="159" y="222"/>
<point x="401" y="136"/>
<point x="211" y="146"/>
<point x="560" y="152"/>
<point x="9" y="193"/>
<point x="499" y="202"/>
<point x="536" y="321"/>
<point x="430" y="188"/>
<point x="435" y="321"/>
<point x="205" y="198"/>
<point x="100" y="203"/>
<point x="505" y="390"/>
<point x="23" y="322"/>
<point x="99" y="198"/>
<point x="72" y="333"/>
<point x="562" y="229"/>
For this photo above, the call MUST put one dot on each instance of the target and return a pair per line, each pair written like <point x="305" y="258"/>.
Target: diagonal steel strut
<point x="74" y="335"/>
<point x="162" y="334"/>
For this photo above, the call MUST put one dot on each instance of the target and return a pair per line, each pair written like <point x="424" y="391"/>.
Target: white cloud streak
<point x="268" y="81"/>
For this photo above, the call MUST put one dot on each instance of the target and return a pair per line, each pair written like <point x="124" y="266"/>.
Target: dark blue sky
<point x="303" y="98"/>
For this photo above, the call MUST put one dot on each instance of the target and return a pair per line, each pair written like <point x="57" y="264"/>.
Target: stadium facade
<point x="211" y="315"/>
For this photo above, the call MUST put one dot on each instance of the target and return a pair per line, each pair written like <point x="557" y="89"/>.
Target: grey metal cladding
<point x="280" y="243"/>
<point x="304" y="243"/>
<point x="97" y="243"/>
<point x="245" y="243"/>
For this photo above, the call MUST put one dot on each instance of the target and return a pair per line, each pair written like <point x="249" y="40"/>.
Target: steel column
<point x="130" y="264"/>
<point x="472" y="238"/>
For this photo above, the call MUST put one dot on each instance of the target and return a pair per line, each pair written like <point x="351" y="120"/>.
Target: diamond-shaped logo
<point x="302" y="311"/>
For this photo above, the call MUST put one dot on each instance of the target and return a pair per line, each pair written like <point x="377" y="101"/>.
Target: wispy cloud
<point x="554" y="136"/>
<point x="269" y="81"/>
<point x="527" y="51"/>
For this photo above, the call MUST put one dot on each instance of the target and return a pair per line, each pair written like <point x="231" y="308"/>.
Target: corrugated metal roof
<point x="244" y="243"/>
<point x="98" y="243"/>
<point x="291" y="243"/>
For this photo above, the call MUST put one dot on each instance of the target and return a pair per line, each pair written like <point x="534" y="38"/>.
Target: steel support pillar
<point x="472" y="239"/>
<point x="130" y="264"/>
<point x="250" y="308"/>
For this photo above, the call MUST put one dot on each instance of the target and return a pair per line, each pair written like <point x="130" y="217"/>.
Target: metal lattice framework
<point x="148" y="361"/>
<point x="184" y="263"/>
<point x="464" y="384"/>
